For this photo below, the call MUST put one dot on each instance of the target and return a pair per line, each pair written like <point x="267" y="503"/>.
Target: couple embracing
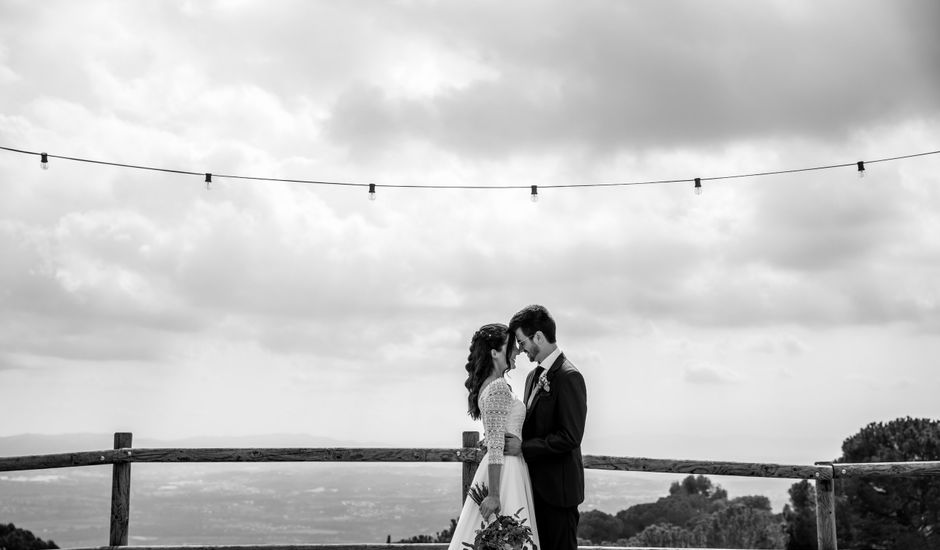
<point x="533" y="458"/>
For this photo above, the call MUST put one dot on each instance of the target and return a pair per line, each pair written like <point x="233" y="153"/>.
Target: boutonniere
<point x="543" y="383"/>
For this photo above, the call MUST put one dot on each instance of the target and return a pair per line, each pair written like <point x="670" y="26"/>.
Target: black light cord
<point x="372" y="186"/>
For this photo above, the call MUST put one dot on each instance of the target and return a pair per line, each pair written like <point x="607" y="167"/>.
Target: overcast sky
<point x="766" y="319"/>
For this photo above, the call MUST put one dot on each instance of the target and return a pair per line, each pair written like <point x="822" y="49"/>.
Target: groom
<point x="556" y="399"/>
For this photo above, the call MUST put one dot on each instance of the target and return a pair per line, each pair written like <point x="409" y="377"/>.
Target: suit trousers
<point x="558" y="526"/>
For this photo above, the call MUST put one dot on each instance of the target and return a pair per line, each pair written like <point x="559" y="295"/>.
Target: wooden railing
<point x="124" y="454"/>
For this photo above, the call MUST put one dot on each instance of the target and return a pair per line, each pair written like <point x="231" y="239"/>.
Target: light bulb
<point x="371" y="191"/>
<point x="535" y="193"/>
<point x="698" y="186"/>
<point x="861" y="168"/>
<point x="44" y="161"/>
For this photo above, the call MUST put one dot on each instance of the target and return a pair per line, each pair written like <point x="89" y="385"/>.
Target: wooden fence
<point x="124" y="454"/>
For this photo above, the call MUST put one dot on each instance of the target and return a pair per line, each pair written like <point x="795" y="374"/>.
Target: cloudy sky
<point x="766" y="319"/>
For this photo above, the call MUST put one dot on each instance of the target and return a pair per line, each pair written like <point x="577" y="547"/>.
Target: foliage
<point x="510" y="529"/>
<point x="595" y="525"/>
<point x="692" y="485"/>
<point x="696" y="514"/>
<point x="13" y="538"/>
<point x="740" y="524"/>
<point x="665" y="534"/>
<point x="503" y="532"/>
<point x="478" y="492"/>
<point x="442" y="537"/>
<point x="744" y="523"/>
<point x="756" y="502"/>
<point x="688" y="500"/>
<point x="800" y="517"/>
<point x="891" y="512"/>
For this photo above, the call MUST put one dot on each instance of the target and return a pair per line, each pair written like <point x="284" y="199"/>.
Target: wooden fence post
<point x="470" y="440"/>
<point x="825" y="512"/>
<point x="121" y="493"/>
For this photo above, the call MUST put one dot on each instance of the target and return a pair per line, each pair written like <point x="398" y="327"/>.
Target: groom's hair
<point x="532" y="319"/>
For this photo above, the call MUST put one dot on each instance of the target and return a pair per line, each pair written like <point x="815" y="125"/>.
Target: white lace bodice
<point x="502" y="413"/>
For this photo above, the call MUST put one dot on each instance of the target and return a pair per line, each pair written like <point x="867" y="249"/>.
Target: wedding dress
<point x="502" y="413"/>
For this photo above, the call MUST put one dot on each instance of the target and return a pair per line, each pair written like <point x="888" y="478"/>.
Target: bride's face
<point x="505" y="359"/>
<point x="512" y="351"/>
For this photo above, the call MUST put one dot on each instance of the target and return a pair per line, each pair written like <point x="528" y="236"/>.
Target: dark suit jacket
<point x="552" y="432"/>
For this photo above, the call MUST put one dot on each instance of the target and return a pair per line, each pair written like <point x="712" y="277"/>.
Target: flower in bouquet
<point x="503" y="532"/>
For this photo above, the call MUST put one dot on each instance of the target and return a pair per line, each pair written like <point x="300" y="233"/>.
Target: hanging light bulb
<point x="371" y="191"/>
<point x="44" y="161"/>
<point x="535" y="193"/>
<point x="208" y="181"/>
<point x="861" y="168"/>
<point x="698" y="186"/>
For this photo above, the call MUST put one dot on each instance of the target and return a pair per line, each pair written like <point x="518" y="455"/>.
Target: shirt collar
<point x="550" y="360"/>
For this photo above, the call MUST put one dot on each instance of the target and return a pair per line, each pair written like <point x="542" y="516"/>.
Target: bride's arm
<point x="495" y="409"/>
<point x="492" y="504"/>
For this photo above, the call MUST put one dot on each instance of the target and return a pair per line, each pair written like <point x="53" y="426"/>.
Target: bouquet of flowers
<point x="504" y="532"/>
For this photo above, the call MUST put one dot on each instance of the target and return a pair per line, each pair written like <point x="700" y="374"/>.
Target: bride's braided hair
<point x="480" y="363"/>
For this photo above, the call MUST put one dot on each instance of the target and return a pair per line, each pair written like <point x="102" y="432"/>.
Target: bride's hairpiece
<point x="491" y="331"/>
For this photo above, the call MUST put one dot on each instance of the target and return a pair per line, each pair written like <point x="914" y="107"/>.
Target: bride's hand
<point x="490" y="505"/>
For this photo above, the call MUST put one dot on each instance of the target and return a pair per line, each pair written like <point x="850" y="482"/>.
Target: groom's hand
<point x="512" y="446"/>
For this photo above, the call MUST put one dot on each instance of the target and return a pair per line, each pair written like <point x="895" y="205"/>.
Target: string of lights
<point x="534" y="189"/>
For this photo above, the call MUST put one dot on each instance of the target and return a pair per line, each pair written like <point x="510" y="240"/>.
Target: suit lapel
<point x="549" y="374"/>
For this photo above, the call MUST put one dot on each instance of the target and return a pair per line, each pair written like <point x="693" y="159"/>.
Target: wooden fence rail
<point x="123" y="455"/>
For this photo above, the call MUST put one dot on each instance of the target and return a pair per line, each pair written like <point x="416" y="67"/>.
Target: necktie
<point x="535" y="381"/>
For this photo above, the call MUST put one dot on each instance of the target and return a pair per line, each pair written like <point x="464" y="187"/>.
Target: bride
<point x="493" y="354"/>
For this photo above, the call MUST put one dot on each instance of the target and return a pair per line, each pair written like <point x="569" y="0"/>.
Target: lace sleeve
<point x="495" y="405"/>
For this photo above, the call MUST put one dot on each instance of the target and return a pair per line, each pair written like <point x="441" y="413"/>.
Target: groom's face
<point x="527" y="345"/>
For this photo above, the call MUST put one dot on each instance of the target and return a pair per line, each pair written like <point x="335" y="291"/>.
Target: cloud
<point x="648" y="77"/>
<point x="707" y="374"/>
<point x="599" y="77"/>
<point x="91" y="288"/>
<point x="786" y="345"/>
